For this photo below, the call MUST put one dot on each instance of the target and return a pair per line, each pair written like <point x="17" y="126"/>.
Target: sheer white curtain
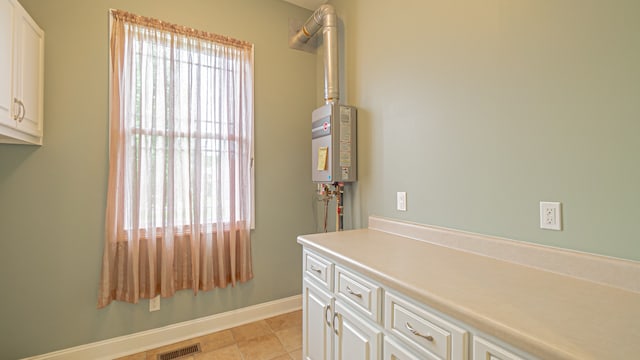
<point x="179" y="202"/>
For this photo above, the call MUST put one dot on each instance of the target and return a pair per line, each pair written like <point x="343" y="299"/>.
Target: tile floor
<point x="276" y="338"/>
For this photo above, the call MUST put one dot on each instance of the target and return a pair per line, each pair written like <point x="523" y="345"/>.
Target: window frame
<point x="186" y="229"/>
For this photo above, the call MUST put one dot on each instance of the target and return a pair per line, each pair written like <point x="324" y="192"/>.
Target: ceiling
<point x="307" y="4"/>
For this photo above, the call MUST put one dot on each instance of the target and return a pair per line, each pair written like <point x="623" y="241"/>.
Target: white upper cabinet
<point x="21" y="76"/>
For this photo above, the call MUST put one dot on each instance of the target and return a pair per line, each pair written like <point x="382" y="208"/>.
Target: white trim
<point x="610" y="271"/>
<point x="253" y="138"/>
<point x="151" y="339"/>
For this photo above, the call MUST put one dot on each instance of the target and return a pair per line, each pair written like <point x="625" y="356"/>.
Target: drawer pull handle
<point x="313" y="268"/>
<point x="353" y="293"/>
<point x="417" y="333"/>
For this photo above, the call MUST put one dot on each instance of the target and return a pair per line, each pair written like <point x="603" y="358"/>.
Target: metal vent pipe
<point x="324" y="18"/>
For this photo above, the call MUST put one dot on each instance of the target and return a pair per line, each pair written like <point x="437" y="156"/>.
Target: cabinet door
<point x="7" y="10"/>
<point x="486" y="350"/>
<point x="355" y="338"/>
<point x="29" y="70"/>
<point x="317" y="310"/>
<point x="394" y="351"/>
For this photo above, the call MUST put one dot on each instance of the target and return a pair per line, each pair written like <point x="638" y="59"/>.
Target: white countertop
<point x="548" y="315"/>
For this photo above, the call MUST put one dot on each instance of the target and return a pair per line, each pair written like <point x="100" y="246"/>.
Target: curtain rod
<point x="179" y="29"/>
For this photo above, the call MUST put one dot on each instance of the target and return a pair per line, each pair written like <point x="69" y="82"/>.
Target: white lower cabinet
<point x="339" y="323"/>
<point x="347" y="316"/>
<point x="332" y="331"/>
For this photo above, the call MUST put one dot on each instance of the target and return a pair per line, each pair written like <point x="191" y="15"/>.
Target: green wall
<point x="479" y="110"/>
<point x="52" y="198"/>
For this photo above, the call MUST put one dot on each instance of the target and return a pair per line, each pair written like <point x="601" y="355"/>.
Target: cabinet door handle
<point x="315" y="269"/>
<point x="353" y="293"/>
<point x="24" y="112"/>
<point x="327" y="319"/>
<point x="19" y="115"/>
<point x="337" y="317"/>
<point x="417" y="333"/>
<point x="14" y="114"/>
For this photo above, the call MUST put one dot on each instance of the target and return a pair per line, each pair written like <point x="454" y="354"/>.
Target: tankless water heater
<point x="333" y="144"/>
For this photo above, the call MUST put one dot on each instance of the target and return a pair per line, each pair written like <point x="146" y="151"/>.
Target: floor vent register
<point x="178" y="353"/>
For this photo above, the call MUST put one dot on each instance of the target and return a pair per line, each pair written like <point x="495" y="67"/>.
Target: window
<point x="180" y="197"/>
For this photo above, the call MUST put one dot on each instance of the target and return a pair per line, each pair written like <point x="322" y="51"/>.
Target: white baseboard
<point x="151" y="339"/>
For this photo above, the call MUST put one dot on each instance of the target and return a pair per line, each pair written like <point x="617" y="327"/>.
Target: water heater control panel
<point x="333" y="144"/>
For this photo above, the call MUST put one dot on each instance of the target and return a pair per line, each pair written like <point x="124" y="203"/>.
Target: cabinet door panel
<point x="317" y="334"/>
<point x="29" y="57"/>
<point x="7" y="9"/>
<point x="395" y="351"/>
<point x="483" y="349"/>
<point x="355" y="339"/>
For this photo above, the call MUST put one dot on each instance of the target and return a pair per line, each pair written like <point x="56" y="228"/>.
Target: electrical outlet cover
<point x="401" y="201"/>
<point x="154" y="303"/>
<point x="550" y="215"/>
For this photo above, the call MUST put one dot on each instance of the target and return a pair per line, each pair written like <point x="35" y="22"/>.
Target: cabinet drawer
<point x="361" y="294"/>
<point x="424" y="331"/>
<point x="319" y="269"/>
